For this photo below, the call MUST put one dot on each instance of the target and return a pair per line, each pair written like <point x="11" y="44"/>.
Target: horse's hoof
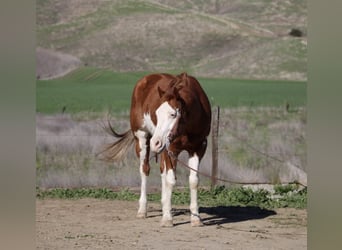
<point x="166" y="223"/>
<point x="196" y="222"/>
<point x="141" y="215"/>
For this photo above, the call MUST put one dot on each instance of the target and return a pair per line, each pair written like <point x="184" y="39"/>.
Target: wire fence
<point x="300" y="175"/>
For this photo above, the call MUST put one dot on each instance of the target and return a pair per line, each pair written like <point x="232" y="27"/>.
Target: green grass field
<point x="95" y="90"/>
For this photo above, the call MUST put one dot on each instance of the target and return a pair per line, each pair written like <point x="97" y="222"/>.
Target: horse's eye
<point x="173" y="115"/>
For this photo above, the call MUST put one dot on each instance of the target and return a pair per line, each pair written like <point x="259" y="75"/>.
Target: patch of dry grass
<point x="263" y="144"/>
<point x="66" y="150"/>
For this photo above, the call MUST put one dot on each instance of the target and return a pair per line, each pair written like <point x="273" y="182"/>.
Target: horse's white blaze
<point x="141" y="135"/>
<point x="168" y="181"/>
<point x="193" y="183"/>
<point x="166" y="119"/>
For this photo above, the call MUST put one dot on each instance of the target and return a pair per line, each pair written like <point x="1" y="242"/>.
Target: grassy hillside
<point x="215" y="38"/>
<point x="93" y="90"/>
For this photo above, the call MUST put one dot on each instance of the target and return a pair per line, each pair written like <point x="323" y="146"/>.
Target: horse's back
<point x="196" y="87"/>
<point x="197" y="103"/>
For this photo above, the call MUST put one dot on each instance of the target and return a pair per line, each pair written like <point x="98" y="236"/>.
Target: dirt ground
<point x="111" y="224"/>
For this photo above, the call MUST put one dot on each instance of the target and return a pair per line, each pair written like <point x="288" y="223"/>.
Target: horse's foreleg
<point x="193" y="184"/>
<point x="144" y="168"/>
<point x="142" y="211"/>
<point x="168" y="180"/>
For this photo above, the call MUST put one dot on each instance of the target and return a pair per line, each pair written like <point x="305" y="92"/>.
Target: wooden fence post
<point x="214" y="142"/>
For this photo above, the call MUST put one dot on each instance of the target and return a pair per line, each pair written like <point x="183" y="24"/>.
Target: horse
<point x="169" y="114"/>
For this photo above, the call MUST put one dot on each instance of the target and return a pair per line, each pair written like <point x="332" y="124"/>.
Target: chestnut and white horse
<point x="168" y="114"/>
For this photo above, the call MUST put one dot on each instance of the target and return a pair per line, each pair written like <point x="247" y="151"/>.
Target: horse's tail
<point x="115" y="151"/>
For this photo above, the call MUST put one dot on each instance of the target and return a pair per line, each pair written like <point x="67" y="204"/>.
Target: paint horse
<point x="168" y="114"/>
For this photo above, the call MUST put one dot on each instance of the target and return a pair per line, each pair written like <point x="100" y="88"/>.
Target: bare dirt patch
<point x="111" y="224"/>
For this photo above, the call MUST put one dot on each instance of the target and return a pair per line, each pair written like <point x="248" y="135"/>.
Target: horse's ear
<point x="184" y="75"/>
<point x="160" y="92"/>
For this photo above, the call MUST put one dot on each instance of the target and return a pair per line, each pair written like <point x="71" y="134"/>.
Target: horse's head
<point x="168" y="117"/>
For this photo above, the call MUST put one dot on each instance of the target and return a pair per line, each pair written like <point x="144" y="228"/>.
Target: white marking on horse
<point x="166" y="119"/>
<point x="168" y="181"/>
<point x="141" y="135"/>
<point x="193" y="184"/>
<point x="148" y="123"/>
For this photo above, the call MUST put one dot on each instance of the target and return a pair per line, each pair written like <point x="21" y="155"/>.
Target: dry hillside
<point x="235" y="38"/>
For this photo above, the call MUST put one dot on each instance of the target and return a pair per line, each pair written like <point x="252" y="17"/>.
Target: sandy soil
<point x="107" y="224"/>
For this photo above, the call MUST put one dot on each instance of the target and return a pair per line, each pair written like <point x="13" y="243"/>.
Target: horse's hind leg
<point x="142" y="149"/>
